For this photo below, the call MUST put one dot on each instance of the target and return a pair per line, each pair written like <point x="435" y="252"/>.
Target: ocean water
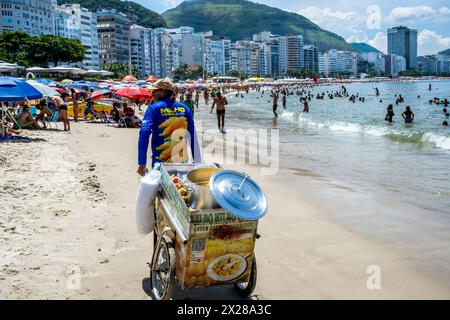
<point x="352" y="144"/>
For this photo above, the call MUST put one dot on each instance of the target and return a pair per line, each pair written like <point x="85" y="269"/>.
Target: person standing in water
<point x="408" y="115"/>
<point x="377" y="92"/>
<point x="284" y="100"/>
<point x="220" y="102"/>
<point x="389" y="113"/>
<point x="275" y="102"/>
<point x="305" y="106"/>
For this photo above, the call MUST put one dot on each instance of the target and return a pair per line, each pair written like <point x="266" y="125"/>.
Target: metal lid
<point x="238" y="194"/>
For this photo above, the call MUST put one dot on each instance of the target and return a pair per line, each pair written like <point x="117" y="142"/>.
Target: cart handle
<point x="174" y="224"/>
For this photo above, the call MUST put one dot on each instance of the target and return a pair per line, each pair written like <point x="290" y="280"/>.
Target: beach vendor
<point x="169" y="123"/>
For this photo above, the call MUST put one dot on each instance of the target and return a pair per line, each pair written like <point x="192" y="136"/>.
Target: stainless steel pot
<point x="200" y="196"/>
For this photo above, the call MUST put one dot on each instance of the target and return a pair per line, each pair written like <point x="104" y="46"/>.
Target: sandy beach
<point x="67" y="230"/>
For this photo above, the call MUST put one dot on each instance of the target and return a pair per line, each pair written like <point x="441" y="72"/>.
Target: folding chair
<point x="54" y="119"/>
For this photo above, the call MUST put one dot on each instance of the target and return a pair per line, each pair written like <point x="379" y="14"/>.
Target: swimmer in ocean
<point x="408" y="115"/>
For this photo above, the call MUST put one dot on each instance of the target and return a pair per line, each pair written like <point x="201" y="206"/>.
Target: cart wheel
<point x="245" y="289"/>
<point x="163" y="276"/>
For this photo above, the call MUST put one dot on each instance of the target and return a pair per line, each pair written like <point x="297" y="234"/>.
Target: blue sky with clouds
<point x="364" y="20"/>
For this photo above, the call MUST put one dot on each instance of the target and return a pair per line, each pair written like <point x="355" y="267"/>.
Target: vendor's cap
<point x="165" y="84"/>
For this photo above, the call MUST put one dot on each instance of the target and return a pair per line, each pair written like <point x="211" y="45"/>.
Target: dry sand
<point x="67" y="231"/>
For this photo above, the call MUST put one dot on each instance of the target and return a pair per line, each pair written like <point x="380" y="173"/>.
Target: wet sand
<point x="67" y="208"/>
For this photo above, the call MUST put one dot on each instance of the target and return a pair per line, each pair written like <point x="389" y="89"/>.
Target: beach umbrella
<point x="44" y="81"/>
<point x="201" y="80"/>
<point x="13" y="89"/>
<point x="129" y="79"/>
<point x="199" y="86"/>
<point x="104" y="84"/>
<point x="190" y="86"/>
<point x="100" y="94"/>
<point x="42" y="88"/>
<point x="142" y="83"/>
<point x="151" y="79"/>
<point x="136" y="93"/>
<point x="66" y="81"/>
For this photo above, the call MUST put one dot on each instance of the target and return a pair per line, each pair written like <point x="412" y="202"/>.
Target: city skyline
<point x="350" y="19"/>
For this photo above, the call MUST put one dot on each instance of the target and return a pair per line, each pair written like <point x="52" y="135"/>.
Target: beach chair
<point x="53" y="119"/>
<point x="13" y="119"/>
<point x="122" y="122"/>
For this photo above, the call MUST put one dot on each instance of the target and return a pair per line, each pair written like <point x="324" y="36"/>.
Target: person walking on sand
<point x="189" y="102"/>
<point x="170" y="124"/>
<point x="408" y="115"/>
<point x="220" y="102"/>
<point x="197" y="99"/>
<point x="206" y="96"/>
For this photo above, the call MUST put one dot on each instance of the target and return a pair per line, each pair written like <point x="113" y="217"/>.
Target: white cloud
<point x="348" y="24"/>
<point x="430" y="42"/>
<point x="172" y="3"/>
<point x="327" y="18"/>
<point x="379" y="42"/>
<point x="418" y="14"/>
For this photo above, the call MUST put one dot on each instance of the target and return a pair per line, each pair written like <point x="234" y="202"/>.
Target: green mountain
<point x="363" y="47"/>
<point x="447" y="52"/>
<point x="145" y="17"/>
<point x="239" y="19"/>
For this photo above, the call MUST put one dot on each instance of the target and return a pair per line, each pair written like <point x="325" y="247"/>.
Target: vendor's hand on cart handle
<point x="142" y="170"/>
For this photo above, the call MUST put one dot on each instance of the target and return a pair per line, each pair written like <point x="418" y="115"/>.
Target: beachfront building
<point x="31" y="16"/>
<point x="187" y="47"/>
<point x="337" y="62"/>
<point x="274" y="58"/>
<point x="323" y="63"/>
<point x="402" y="41"/>
<point x="142" y="49"/>
<point x="395" y="64"/>
<point x="290" y="54"/>
<point x="75" y="22"/>
<point x="311" y="58"/>
<point x="442" y="63"/>
<point x="113" y="30"/>
<point x="375" y="59"/>
<point x="218" y="61"/>
<point x="162" y="53"/>
<point x="426" y="65"/>
<point x="264" y="59"/>
<point x="247" y="57"/>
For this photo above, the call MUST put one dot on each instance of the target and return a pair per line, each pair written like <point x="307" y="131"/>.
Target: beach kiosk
<point x="207" y="238"/>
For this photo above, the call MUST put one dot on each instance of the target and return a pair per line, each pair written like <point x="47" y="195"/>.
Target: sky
<point x="364" y="20"/>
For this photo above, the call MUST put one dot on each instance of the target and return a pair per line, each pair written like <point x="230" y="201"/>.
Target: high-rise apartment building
<point x="402" y="41"/>
<point x="31" y="16"/>
<point x="113" y="37"/>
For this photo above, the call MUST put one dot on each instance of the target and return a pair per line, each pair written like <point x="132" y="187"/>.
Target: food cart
<point x="202" y="247"/>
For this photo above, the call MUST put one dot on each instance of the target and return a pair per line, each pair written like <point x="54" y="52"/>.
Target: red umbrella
<point x="190" y="86"/>
<point x="151" y="79"/>
<point x="62" y="91"/>
<point x="136" y="93"/>
<point x="99" y="94"/>
<point x="201" y="80"/>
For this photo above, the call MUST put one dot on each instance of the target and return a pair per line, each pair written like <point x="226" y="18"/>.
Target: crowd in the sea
<point x="128" y="112"/>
